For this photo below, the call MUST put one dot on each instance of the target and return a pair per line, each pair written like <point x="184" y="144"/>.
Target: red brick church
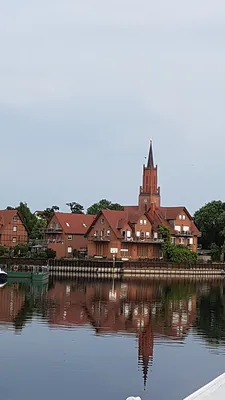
<point x="133" y="233"/>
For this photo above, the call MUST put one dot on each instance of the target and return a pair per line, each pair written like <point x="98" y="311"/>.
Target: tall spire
<point x="150" y="157"/>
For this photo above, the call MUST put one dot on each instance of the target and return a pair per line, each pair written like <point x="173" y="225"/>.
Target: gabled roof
<point x="116" y="220"/>
<point x="74" y="223"/>
<point x="133" y="213"/>
<point x="171" y="213"/>
<point x="6" y="217"/>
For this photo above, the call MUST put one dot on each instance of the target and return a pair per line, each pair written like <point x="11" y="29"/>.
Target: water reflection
<point x="149" y="311"/>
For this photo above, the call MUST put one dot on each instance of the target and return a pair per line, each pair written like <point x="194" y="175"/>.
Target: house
<point x="134" y="232"/>
<point x="127" y="236"/>
<point x="12" y="229"/>
<point x="65" y="233"/>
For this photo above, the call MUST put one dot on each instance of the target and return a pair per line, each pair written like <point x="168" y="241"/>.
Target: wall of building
<point x="14" y="233"/>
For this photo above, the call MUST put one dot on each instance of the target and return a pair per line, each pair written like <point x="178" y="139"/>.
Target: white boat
<point x="3" y="276"/>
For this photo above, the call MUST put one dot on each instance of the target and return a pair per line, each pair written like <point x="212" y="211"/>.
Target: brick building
<point x="133" y="233"/>
<point x="12" y="229"/>
<point x="65" y="233"/>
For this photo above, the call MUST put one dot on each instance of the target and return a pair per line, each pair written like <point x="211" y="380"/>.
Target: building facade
<point x="134" y="233"/>
<point x="65" y="234"/>
<point x="12" y="229"/>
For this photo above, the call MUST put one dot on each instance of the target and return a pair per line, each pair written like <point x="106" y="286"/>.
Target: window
<point x="145" y="222"/>
<point x="70" y="250"/>
<point x="177" y="228"/>
<point x="141" y="221"/>
<point x="14" y="229"/>
<point x="70" y="237"/>
<point x="186" y="228"/>
<point x="173" y="240"/>
<point x="190" y="241"/>
<point x="155" y="235"/>
<point x="15" y="218"/>
<point x="14" y="239"/>
<point x="108" y="232"/>
<point x="128" y="234"/>
<point x="138" y="234"/>
<point x="102" y="220"/>
<point x="147" y="234"/>
<point x="181" y="240"/>
<point x="182" y="217"/>
<point x="67" y="224"/>
<point x="96" y="233"/>
<point x="142" y="235"/>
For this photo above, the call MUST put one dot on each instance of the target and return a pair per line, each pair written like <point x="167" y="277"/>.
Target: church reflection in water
<point x="148" y="310"/>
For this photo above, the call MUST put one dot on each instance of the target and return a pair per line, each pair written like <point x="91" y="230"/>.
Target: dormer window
<point x="141" y="221"/>
<point x="182" y="217"/>
<point x="145" y="222"/>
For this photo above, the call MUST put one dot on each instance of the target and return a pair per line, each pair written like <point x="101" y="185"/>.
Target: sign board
<point x="113" y="250"/>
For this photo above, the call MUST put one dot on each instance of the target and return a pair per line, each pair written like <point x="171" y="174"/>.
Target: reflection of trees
<point x="210" y="321"/>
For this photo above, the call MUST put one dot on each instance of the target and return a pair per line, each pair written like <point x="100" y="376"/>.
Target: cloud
<point x="85" y="85"/>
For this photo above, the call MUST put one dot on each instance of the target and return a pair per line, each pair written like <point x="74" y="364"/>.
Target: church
<point x="133" y="233"/>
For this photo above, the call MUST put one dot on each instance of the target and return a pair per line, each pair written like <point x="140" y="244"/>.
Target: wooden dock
<point x="215" y="390"/>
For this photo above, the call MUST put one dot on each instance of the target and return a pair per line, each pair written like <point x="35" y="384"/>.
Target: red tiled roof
<point x="133" y="213"/>
<point x="171" y="213"/>
<point x="115" y="219"/>
<point x="6" y="217"/>
<point x="74" y="223"/>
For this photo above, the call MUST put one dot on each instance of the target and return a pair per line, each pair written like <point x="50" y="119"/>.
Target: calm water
<point x="103" y="340"/>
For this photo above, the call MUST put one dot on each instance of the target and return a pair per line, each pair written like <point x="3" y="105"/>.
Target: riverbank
<point x="141" y="268"/>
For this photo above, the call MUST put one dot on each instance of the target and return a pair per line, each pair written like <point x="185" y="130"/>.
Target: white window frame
<point x="108" y="232"/>
<point x="177" y="228"/>
<point x="181" y="240"/>
<point x="191" y="241"/>
<point x="141" y="221"/>
<point x="145" y="222"/>
<point x="138" y="233"/>
<point x="14" y="240"/>
<point x="69" y="250"/>
<point x="70" y="237"/>
<point x="15" y="229"/>
<point x="147" y="234"/>
<point x="128" y="234"/>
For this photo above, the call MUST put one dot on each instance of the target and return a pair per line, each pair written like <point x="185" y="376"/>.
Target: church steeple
<point x="150" y="163"/>
<point x="149" y="191"/>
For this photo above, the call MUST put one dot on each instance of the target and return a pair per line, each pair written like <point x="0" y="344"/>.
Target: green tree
<point x="75" y="208"/>
<point x="3" y="250"/>
<point x="37" y="232"/>
<point x="28" y="217"/>
<point x="210" y="220"/>
<point x="104" y="205"/>
<point x="21" y="250"/>
<point x="173" y="253"/>
<point x="49" y="211"/>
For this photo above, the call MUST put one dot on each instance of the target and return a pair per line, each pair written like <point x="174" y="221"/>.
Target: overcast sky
<point x="84" y="86"/>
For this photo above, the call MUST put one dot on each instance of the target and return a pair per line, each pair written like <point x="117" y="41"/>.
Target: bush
<point x="3" y="250"/>
<point x="50" y="253"/>
<point x="21" y="250"/>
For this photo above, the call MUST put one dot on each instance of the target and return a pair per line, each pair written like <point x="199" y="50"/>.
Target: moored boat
<point x="3" y="276"/>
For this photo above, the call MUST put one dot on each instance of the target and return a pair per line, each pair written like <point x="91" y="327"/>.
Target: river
<point x="107" y="340"/>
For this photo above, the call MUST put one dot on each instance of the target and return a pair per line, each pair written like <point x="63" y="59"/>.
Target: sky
<point x="85" y="85"/>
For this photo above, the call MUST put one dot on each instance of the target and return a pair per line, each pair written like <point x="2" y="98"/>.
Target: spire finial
<point x="150" y="157"/>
